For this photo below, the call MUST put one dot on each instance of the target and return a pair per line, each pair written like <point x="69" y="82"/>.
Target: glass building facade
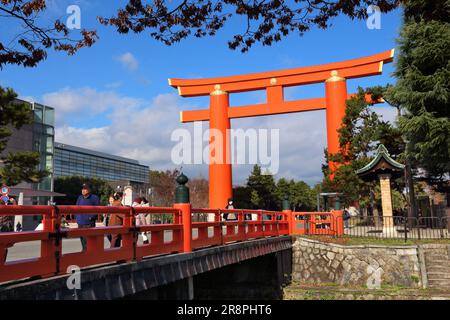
<point x="43" y="142"/>
<point x="76" y="161"/>
<point x="39" y="137"/>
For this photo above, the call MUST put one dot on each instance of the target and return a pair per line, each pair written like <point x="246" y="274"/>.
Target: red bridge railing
<point x="188" y="229"/>
<point x="317" y="223"/>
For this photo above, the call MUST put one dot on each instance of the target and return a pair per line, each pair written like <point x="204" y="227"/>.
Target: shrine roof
<point x="382" y="163"/>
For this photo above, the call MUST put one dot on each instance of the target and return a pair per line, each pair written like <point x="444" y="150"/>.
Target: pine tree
<point x="422" y="91"/>
<point x="262" y="188"/>
<point x="300" y="195"/>
<point x="19" y="166"/>
<point x="362" y="131"/>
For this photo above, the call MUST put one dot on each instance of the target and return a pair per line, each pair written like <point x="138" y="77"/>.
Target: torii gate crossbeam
<point x="334" y="75"/>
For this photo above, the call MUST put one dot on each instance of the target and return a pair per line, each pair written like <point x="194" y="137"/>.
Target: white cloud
<point x="128" y="61"/>
<point x="113" y="85"/>
<point x="302" y="140"/>
<point x="139" y="130"/>
<point x="85" y="102"/>
<point x="387" y="112"/>
<point x="142" y="130"/>
<point x="92" y="138"/>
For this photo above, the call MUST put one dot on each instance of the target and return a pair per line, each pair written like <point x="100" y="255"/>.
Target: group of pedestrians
<point x="6" y="225"/>
<point x="87" y="198"/>
<point x="7" y="222"/>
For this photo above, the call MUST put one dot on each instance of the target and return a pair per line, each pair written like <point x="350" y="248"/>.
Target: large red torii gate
<point x="334" y="75"/>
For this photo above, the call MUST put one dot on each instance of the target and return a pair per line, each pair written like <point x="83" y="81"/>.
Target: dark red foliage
<point x="264" y="21"/>
<point x="29" y="47"/>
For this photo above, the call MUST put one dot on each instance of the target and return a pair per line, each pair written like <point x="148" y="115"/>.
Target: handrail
<point x="308" y="225"/>
<point x="165" y="238"/>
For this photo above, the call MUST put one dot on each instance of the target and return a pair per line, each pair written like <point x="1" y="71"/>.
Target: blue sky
<point x="114" y="96"/>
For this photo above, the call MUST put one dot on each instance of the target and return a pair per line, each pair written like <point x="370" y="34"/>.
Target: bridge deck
<point x="124" y="279"/>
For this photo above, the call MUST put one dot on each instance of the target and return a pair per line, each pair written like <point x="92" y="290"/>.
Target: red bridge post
<point x="286" y="206"/>
<point x="182" y="203"/>
<point x="338" y="218"/>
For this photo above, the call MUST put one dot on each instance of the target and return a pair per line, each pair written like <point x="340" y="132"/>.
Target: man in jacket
<point x="86" y="220"/>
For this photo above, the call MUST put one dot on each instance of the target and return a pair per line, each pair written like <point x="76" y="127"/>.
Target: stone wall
<point x="316" y="262"/>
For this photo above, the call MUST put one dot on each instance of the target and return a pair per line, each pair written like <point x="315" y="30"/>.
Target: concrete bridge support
<point x="259" y="278"/>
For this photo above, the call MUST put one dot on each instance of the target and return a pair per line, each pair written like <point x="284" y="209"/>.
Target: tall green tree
<point x="262" y="188"/>
<point x="422" y="91"/>
<point x="18" y="166"/>
<point x="262" y="192"/>
<point x="301" y="197"/>
<point x="242" y="196"/>
<point x="420" y="138"/>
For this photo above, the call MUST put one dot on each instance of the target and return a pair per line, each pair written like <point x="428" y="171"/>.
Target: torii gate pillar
<point x="335" y="95"/>
<point x="220" y="150"/>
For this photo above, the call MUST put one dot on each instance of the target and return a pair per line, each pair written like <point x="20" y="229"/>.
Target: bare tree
<point x="29" y="47"/>
<point x="163" y="184"/>
<point x="199" y="193"/>
<point x="264" y="21"/>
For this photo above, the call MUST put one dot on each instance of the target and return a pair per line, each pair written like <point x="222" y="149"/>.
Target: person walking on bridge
<point x="141" y="217"/>
<point x="116" y="219"/>
<point x="86" y="220"/>
<point x="230" y="216"/>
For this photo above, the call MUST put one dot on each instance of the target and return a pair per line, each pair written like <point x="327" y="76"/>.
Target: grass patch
<point x="415" y="278"/>
<point x="347" y="286"/>
<point x="348" y="240"/>
<point x="331" y="291"/>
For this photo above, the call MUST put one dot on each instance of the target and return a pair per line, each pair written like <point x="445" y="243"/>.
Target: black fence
<point x="398" y="227"/>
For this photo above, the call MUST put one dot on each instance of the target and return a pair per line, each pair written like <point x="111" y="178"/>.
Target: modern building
<point x="39" y="136"/>
<point x="65" y="160"/>
<point x="76" y="161"/>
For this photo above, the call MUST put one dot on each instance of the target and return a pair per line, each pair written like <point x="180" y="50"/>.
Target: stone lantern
<point x="383" y="168"/>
